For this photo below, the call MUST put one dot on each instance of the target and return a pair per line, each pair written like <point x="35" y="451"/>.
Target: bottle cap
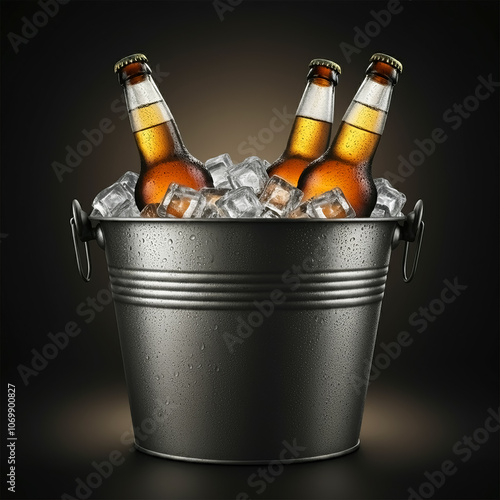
<point x="378" y="56"/>
<point x="129" y="60"/>
<point x="326" y="63"/>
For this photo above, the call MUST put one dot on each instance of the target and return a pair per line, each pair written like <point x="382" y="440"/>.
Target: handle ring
<point x="85" y="275"/>
<point x="419" y="237"/>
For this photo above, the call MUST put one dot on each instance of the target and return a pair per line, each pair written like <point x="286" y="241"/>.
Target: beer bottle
<point x="312" y="126"/>
<point x="347" y="162"/>
<point x="164" y="158"/>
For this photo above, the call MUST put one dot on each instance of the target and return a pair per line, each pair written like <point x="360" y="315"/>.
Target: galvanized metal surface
<point x="239" y="336"/>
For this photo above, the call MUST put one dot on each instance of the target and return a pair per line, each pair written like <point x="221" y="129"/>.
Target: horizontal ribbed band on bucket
<point x="190" y="290"/>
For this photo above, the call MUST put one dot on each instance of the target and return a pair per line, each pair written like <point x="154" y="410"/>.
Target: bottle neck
<point x="310" y="134"/>
<point x="368" y="110"/>
<point x="155" y="130"/>
<point x="318" y="100"/>
<point x="363" y="123"/>
<point x="145" y="104"/>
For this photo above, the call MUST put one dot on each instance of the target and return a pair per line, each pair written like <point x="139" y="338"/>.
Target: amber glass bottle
<point x="311" y="130"/>
<point x="164" y="158"/>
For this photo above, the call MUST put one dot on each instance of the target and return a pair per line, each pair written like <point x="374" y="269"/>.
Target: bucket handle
<point x="82" y="231"/>
<point x="412" y="230"/>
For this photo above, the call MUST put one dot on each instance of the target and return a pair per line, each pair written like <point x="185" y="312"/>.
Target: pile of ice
<point x="241" y="190"/>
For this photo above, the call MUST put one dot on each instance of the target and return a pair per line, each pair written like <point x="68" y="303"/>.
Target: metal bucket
<point x="248" y="340"/>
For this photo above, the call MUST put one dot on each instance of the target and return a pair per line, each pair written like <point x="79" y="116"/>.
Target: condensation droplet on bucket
<point x="202" y="346"/>
<point x="170" y="242"/>
<point x="192" y="237"/>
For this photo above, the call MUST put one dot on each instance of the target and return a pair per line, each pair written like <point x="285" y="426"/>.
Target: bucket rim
<point x="225" y="220"/>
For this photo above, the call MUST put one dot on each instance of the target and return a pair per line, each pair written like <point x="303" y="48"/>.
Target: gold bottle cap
<point x="326" y="63"/>
<point x="129" y="60"/>
<point x="378" y="56"/>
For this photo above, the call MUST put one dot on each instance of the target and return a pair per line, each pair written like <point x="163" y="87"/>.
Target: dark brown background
<point x="224" y="80"/>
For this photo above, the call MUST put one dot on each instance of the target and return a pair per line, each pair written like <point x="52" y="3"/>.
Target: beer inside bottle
<point x="164" y="158"/>
<point x="347" y="163"/>
<point x="312" y="126"/>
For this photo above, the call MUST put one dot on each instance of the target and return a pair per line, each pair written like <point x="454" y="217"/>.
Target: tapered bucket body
<point x="247" y="340"/>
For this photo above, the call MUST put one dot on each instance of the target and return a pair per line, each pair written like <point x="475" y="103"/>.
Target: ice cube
<point x="380" y="211"/>
<point x="256" y="159"/>
<point x="110" y="201"/>
<point x="210" y="212"/>
<point x="224" y="159"/>
<point x="128" y="180"/>
<point x="300" y="212"/>
<point x="330" y="205"/>
<point x="241" y="202"/>
<point x="213" y="194"/>
<point x="129" y="209"/>
<point x="117" y="198"/>
<point x="389" y="200"/>
<point x="251" y="173"/>
<point x="280" y="196"/>
<point x="150" y="211"/>
<point x="181" y="202"/>
<point x="270" y="214"/>
<point x="218" y="168"/>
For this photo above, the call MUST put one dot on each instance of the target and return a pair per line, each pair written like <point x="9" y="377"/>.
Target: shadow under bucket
<point x="247" y="340"/>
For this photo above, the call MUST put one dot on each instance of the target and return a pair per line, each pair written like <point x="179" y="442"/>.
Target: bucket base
<point x="246" y="462"/>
